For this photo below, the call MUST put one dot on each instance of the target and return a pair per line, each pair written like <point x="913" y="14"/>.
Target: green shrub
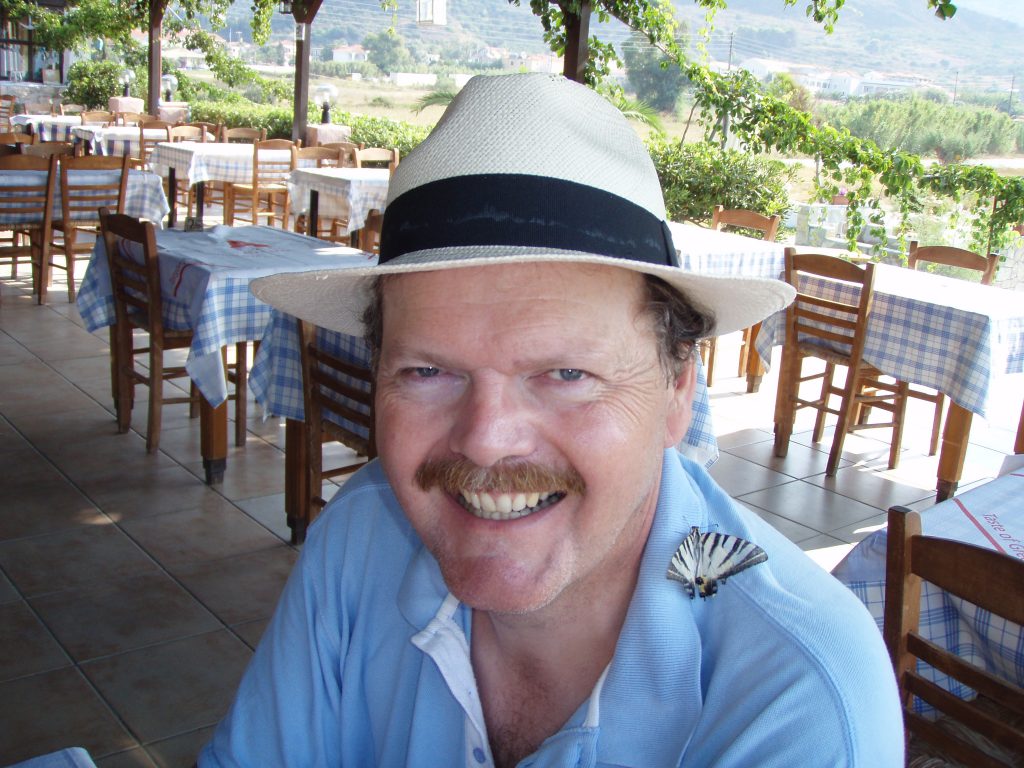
<point x="342" y="69"/>
<point x="92" y="83"/>
<point x="697" y="177"/>
<point x="382" y="131"/>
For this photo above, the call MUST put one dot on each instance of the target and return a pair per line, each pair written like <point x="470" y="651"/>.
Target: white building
<point x="348" y="53"/>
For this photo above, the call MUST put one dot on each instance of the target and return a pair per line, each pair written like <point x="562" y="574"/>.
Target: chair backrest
<point x="243" y="135"/>
<point x="12" y="149"/>
<point x="39" y="107"/>
<point x="151" y="133"/>
<point x="211" y="131"/>
<point x="335" y="391"/>
<point x="16" y="137"/>
<point x="990" y="580"/>
<point x="838" y="323"/>
<point x="270" y="168"/>
<point x="954" y="257"/>
<point x="187" y="133"/>
<point x="7" y="103"/>
<point x="347" y="151"/>
<point x="132" y="118"/>
<point x="70" y="109"/>
<point x="29" y="199"/>
<point x="97" y="117"/>
<point x="316" y="157"/>
<point x="377" y="157"/>
<point x="47" y="148"/>
<point x="744" y="219"/>
<point x="134" y="270"/>
<point x="82" y="194"/>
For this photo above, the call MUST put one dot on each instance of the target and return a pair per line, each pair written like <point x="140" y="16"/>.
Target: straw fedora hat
<point x="524" y="168"/>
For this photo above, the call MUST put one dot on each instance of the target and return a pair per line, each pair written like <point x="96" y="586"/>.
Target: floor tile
<point x="7" y="591"/>
<point x="241" y="588"/>
<point x="860" y="483"/>
<point x="800" y="461"/>
<point x="269" y="512"/>
<point x="251" y="631"/>
<point x="738" y="476"/>
<point x="180" y="751"/>
<point x="256" y="471"/>
<point x="123" y="614"/>
<point x="810" y="505"/>
<point x="27" y="646"/>
<point x="195" y="535"/>
<point x="132" y="758"/>
<point x="74" y="717"/>
<point x="166" y="488"/>
<point x="172" y="688"/>
<point x="791" y="529"/>
<point x="77" y="556"/>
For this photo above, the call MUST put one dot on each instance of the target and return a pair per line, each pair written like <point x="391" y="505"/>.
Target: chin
<point x="485" y="590"/>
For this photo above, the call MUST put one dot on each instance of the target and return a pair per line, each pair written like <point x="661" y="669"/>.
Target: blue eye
<point x="568" y="374"/>
<point x="426" y="371"/>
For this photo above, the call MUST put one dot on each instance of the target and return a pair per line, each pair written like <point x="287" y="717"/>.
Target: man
<point x="528" y="574"/>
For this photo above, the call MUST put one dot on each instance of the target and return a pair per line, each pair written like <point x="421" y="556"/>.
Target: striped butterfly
<point x="704" y="560"/>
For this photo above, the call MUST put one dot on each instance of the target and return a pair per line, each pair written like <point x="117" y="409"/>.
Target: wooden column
<point x="156" y="20"/>
<point x="304" y="12"/>
<point x="577" y="34"/>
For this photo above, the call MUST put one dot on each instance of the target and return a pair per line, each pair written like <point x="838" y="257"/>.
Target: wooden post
<point x="156" y="20"/>
<point x="304" y="12"/>
<point x="577" y="34"/>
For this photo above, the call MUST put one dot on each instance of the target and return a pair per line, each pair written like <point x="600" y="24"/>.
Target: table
<point x="951" y="335"/>
<point x="989" y="516"/>
<point x="116" y="140"/>
<point x="727" y="253"/>
<point x="200" y="162"/>
<point x="48" y="127"/>
<point x="205" y="280"/>
<point x="347" y="193"/>
<point x="145" y="198"/>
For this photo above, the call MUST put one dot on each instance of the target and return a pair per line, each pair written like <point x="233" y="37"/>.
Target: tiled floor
<point x="132" y="594"/>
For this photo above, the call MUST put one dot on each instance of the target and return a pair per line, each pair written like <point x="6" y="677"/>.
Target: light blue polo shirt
<point x="366" y="661"/>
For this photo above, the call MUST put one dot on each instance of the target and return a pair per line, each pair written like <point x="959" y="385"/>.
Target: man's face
<point x="521" y="419"/>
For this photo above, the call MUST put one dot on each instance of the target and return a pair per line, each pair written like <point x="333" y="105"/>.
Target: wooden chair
<point x="48" y="148"/>
<point x="151" y="133"/>
<point x="1018" y="443"/>
<point x="347" y="152"/>
<point x="7" y="104"/>
<point x="321" y="156"/>
<point x="832" y="330"/>
<point x="374" y="157"/>
<point x="31" y="200"/>
<point x="39" y="107"/>
<point x="738" y="218"/>
<point x="133" y="118"/>
<point x="368" y="238"/>
<point x="17" y="138"/>
<point x="11" y="149"/>
<point x="953" y="257"/>
<point x="211" y="131"/>
<point x="266" y="196"/>
<point x="70" y="109"/>
<point x="82" y="195"/>
<point x="988" y="731"/>
<point x="97" y="117"/>
<point x="335" y="391"/>
<point x="243" y="135"/>
<point x="183" y="190"/>
<point x="138" y="303"/>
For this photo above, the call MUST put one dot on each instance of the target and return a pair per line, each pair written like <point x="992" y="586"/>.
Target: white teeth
<point x="503" y="506"/>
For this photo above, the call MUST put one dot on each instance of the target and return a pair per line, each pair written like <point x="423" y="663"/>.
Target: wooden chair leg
<point x="826" y="390"/>
<point x="785" y="406"/>
<point x="156" y="397"/>
<point x="845" y="419"/>
<point x="898" y="414"/>
<point x="940" y="407"/>
<point x="124" y="389"/>
<point x="241" y="391"/>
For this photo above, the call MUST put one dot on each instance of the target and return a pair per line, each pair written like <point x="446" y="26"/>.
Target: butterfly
<point x="704" y="560"/>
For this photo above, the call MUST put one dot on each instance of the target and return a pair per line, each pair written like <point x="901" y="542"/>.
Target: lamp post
<point x="126" y="78"/>
<point x="169" y="83"/>
<point x="325" y="95"/>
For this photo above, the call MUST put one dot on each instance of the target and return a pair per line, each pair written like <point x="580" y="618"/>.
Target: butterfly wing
<point x="705" y="560"/>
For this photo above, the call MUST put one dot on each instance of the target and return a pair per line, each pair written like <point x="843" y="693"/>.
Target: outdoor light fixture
<point x="169" y="83"/>
<point x="126" y="78"/>
<point x="285" y="7"/>
<point x="432" y="12"/>
<point x="325" y="94"/>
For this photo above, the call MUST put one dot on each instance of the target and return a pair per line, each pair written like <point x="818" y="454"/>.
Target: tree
<point x="655" y="77"/>
<point x="784" y="86"/>
<point x="387" y="51"/>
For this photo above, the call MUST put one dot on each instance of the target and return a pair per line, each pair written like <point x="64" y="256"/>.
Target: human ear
<point x="680" y="405"/>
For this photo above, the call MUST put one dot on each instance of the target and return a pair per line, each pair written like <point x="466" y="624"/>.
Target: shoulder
<point x="784" y="644"/>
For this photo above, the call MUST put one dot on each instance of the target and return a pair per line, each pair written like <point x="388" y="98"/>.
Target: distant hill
<point x="978" y="49"/>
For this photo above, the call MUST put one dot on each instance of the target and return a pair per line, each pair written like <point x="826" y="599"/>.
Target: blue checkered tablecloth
<point x="989" y="516"/>
<point x="927" y="329"/>
<point x="276" y="378"/>
<point x="344" y="192"/>
<point x="145" y="194"/>
<point x="209" y="161"/>
<point x="114" y="140"/>
<point x="205" y="280"/>
<point x="49" y="127"/>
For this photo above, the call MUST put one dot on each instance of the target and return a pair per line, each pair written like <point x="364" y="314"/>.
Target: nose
<point x="492" y="422"/>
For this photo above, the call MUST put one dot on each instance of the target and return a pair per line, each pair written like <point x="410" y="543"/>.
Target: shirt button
<point x="478" y="755"/>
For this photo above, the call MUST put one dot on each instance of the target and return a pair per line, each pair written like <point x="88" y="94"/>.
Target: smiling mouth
<point x="507" y="506"/>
